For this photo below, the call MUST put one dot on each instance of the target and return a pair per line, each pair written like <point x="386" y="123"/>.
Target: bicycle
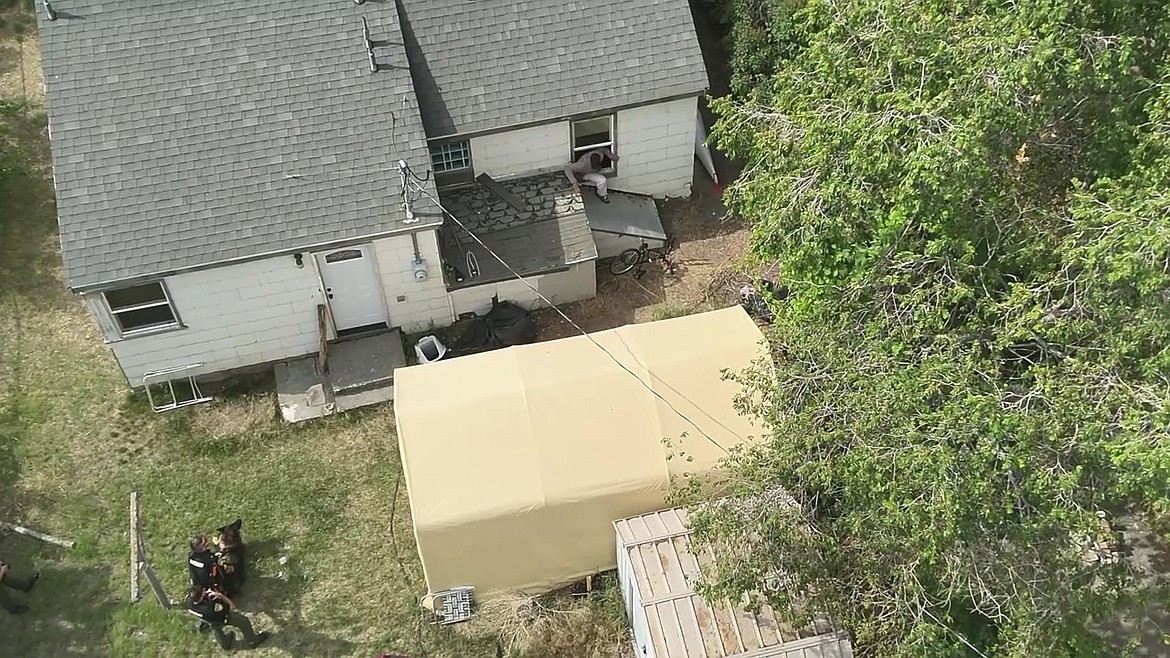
<point x="639" y="256"/>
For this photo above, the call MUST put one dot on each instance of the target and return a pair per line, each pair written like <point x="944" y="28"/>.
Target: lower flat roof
<point x="625" y="214"/>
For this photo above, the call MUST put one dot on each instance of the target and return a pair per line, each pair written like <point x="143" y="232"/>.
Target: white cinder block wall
<point x="263" y="311"/>
<point x="576" y="283"/>
<point x="656" y="144"/>
<point x="521" y="152"/>
<point x="657" y="148"/>
<point x="414" y="306"/>
<point x="235" y="316"/>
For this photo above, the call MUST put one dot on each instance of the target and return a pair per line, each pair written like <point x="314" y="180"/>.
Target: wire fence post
<point x="135" y="558"/>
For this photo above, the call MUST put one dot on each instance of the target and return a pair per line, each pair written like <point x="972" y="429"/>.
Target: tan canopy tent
<point x="517" y="461"/>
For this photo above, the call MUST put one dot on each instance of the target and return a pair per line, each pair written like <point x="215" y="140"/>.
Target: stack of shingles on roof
<point x="548" y="232"/>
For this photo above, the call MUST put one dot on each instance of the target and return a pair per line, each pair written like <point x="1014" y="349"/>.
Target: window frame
<point x="465" y="145"/>
<point x="454" y="176"/>
<point x="575" y="152"/>
<point x="168" y="301"/>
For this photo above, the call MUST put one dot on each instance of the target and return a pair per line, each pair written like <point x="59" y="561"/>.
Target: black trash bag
<point x="509" y="324"/>
<point x="469" y="334"/>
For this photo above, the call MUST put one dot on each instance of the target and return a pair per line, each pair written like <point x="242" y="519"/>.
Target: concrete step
<point x="301" y="392"/>
<point x="353" y="400"/>
<point x="363" y="386"/>
<point x="360" y="333"/>
<point x="365" y="364"/>
<point x="361" y="373"/>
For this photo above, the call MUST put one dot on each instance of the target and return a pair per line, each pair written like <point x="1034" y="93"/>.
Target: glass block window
<point x="451" y="156"/>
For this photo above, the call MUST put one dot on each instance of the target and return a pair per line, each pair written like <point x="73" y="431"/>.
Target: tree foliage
<point x="970" y="203"/>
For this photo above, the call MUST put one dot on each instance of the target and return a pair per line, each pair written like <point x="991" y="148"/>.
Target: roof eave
<point x="112" y="284"/>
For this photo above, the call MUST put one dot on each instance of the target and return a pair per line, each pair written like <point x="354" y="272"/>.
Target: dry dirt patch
<point x="20" y="70"/>
<point x="711" y="247"/>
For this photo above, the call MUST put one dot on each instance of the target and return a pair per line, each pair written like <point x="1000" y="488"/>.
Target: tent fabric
<point x="517" y="461"/>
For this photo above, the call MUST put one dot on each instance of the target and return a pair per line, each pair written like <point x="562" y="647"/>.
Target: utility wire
<point x="556" y="308"/>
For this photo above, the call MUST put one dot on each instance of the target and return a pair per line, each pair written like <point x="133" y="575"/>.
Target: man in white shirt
<point x="588" y="168"/>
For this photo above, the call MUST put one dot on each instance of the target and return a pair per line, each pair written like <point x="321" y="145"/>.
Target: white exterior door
<point x="351" y="285"/>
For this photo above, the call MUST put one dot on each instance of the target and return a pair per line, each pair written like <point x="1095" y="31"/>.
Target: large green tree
<point x="970" y="202"/>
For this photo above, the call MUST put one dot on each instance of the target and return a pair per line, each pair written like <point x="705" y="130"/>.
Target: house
<point x="225" y="170"/>
<point x="516" y="473"/>
<point x="658" y="570"/>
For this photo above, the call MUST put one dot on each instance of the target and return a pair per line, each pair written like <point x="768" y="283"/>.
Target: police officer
<point x="201" y="563"/>
<point x="217" y="610"/>
<point x="14" y="582"/>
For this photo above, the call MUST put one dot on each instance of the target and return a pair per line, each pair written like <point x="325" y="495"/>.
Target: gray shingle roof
<point x="176" y="125"/>
<point x="487" y="64"/>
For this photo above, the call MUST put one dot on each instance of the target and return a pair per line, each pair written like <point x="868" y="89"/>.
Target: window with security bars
<point x="143" y="307"/>
<point x="452" y="156"/>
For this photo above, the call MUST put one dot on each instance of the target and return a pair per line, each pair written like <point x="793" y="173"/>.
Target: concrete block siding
<point x="234" y="317"/>
<point x="424" y="305"/>
<point x="657" y="147"/>
<point x="656" y="143"/>
<point x="263" y="311"/>
<point x="521" y="152"/>
<point x="576" y="283"/>
<point x="610" y="245"/>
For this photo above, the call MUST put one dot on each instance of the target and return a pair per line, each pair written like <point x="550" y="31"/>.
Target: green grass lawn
<point x="74" y="443"/>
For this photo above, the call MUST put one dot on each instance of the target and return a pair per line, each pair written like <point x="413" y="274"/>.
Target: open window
<point x="141" y="308"/>
<point x="593" y="133"/>
<point x="451" y="162"/>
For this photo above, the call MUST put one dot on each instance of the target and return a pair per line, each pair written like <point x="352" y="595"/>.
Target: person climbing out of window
<point x="587" y="169"/>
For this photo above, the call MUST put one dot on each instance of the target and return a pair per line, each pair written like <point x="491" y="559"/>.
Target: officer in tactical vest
<point x="217" y="610"/>
<point x="201" y="563"/>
